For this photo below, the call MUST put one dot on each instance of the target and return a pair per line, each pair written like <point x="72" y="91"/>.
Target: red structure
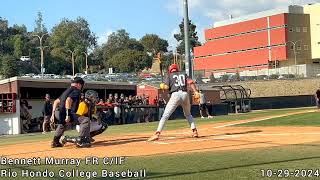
<point x="251" y="44"/>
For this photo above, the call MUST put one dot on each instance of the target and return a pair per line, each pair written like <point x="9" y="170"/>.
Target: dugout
<point x="236" y="97"/>
<point x="13" y="90"/>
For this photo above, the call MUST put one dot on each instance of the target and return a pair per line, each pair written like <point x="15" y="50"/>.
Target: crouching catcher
<point x="87" y="112"/>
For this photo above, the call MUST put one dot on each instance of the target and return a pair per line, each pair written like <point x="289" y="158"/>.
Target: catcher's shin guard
<point x="70" y="139"/>
<point x="100" y="131"/>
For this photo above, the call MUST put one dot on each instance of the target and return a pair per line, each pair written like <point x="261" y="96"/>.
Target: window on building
<point x="306" y="47"/>
<point x="318" y="43"/>
<point x="297" y="29"/>
<point x="290" y="29"/>
<point x="291" y="47"/>
<point x="299" y="47"/>
<point x="305" y="29"/>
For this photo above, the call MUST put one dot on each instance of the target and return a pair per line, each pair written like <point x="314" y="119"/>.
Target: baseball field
<point x="265" y="144"/>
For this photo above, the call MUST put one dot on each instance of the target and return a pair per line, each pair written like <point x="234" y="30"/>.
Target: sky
<point x="137" y="17"/>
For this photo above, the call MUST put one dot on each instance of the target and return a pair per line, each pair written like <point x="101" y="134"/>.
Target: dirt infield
<point x="216" y="137"/>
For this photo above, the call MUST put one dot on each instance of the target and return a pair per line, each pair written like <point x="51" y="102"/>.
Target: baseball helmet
<point x="92" y="96"/>
<point x="77" y="80"/>
<point x="173" y="68"/>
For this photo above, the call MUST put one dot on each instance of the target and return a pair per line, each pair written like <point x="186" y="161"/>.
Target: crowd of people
<point x="131" y="109"/>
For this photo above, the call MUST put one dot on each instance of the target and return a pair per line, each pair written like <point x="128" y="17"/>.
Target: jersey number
<point x="180" y="80"/>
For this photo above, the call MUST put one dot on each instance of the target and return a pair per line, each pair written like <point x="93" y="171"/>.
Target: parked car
<point x="25" y="58"/>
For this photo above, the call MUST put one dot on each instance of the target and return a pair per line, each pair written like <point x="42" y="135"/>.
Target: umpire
<point x="64" y="109"/>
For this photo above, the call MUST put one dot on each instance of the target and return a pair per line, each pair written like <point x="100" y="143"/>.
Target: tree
<point x="71" y="35"/>
<point x="18" y="46"/>
<point x="40" y="26"/>
<point x="153" y="44"/>
<point x="192" y="35"/>
<point x="9" y="66"/>
<point x="129" y="61"/>
<point x="4" y="37"/>
<point x="117" y="41"/>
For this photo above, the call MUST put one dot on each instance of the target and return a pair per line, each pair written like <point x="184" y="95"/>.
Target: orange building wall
<point x="210" y="55"/>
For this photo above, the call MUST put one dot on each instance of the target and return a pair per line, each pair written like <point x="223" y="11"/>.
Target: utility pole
<point x="86" y="72"/>
<point x="72" y="59"/>
<point x="41" y="53"/>
<point x="188" y="62"/>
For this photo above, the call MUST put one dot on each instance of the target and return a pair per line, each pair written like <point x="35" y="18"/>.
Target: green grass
<point x="241" y="164"/>
<point x="149" y="127"/>
<point x="306" y="119"/>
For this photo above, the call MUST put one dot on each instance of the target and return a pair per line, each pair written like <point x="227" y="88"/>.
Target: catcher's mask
<point x="92" y="96"/>
<point x="173" y="68"/>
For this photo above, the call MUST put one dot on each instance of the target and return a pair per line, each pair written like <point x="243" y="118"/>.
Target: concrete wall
<point x="271" y="88"/>
<point x="10" y="123"/>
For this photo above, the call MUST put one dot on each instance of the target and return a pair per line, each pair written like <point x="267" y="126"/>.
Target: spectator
<point x="25" y="116"/>
<point x="125" y="108"/>
<point x="47" y="112"/>
<point x="117" y="111"/>
<point x="100" y="103"/>
<point x="138" y="111"/>
<point x="131" y="110"/>
<point x="155" y="101"/>
<point x="318" y="98"/>
<point x="161" y="104"/>
<point x="146" y="111"/>
<point x="203" y="105"/>
<point x="110" y="98"/>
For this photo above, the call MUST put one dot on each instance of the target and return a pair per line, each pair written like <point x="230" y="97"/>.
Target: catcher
<point x="177" y="84"/>
<point x="87" y="109"/>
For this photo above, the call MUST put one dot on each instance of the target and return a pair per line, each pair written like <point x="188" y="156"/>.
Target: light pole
<point x="86" y="72"/>
<point x="188" y="62"/>
<point x="295" y="53"/>
<point x="72" y="59"/>
<point x="41" y="51"/>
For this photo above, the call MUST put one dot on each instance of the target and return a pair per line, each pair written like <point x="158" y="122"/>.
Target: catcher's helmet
<point x="173" y="68"/>
<point x="92" y="96"/>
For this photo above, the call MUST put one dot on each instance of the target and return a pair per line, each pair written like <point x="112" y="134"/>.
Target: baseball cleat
<point x="195" y="133"/>
<point x="56" y="144"/>
<point x="154" y="137"/>
<point x="83" y="144"/>
<point x="210" y="116"/>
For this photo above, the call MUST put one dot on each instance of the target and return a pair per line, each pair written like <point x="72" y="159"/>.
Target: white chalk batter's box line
<point x="230" y="137"/>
